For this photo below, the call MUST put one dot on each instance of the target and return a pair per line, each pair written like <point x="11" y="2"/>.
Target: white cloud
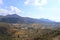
<point x="15" y="9"/>
<point x="27" y="2"/>
<point x="43" y="2"/>
<point x="11" y="10"/>
<point x="1" y="2"/>
<point x="36" y="2"/>
<point x="3" y="11"/>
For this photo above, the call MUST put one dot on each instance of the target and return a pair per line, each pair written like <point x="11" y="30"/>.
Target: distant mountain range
<point x="14" y="18"/>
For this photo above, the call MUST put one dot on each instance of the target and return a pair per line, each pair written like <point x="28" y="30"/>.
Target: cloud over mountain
<point x="15" y="9"/>
<point x="10" y="10"/>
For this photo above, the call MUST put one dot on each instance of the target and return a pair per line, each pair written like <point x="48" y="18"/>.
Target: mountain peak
<point x="13" y="15"/>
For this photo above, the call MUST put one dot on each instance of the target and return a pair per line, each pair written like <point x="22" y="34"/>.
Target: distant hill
<point x="45" y="20"/>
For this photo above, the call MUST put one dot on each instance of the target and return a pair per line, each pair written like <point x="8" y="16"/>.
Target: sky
<point x="48" y="9"/>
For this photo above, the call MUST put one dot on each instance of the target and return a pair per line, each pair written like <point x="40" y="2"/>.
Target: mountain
<point x="44" y="29"/>
<point x="14" y="18"/>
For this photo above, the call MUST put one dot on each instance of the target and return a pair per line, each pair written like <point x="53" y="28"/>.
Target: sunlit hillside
<point x="29" y="31"/>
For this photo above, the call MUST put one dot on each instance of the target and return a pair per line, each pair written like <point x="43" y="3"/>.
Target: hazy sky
<point x="49" y="9"/>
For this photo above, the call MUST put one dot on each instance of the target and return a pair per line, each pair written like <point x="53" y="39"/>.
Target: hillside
<point x="11" y="19"/>
<point x="25" y="31"/>
<point x="14" y="27"/>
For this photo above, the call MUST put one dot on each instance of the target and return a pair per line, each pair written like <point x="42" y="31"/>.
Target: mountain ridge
<point x="14" y="18"/>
